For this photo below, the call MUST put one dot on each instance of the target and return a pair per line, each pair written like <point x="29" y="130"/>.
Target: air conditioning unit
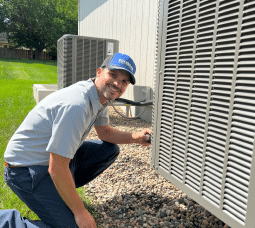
<point x="79" y="57"/>
<point x="204" y="106"/>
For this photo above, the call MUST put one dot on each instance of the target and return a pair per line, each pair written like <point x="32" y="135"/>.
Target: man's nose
<point x="117" y="83"/>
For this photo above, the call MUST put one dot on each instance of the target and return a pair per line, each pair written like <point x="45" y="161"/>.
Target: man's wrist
<point x="134" y="138"/>
<point x="80" y="211"/>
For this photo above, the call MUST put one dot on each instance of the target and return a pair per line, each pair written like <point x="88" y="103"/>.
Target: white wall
<point x="3" y="37"/>
<point x="133" y="23"/>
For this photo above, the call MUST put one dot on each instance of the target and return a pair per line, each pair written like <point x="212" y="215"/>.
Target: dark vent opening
<point x="207" y="13"/>
<point x="229" y="6"/>
<point x="243" y="141"/>
<point x="229" y="12"/>
<point x="228" y="18"/>
<point x="187" y="4"/>
<point x="250" y="6"/>
<point x="206" y="3"/>
<point x="206" y="19"/>
<point x="217" y="116"/>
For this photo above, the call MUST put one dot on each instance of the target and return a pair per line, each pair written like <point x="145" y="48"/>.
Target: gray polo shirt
<point x="58" y="124"/>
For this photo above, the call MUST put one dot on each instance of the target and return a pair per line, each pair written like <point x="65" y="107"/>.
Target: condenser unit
<point x="79" y="57"/>
<point x="204" y="104"/>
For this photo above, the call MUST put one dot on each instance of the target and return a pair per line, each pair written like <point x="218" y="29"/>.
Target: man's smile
<point x="114" y="89"/>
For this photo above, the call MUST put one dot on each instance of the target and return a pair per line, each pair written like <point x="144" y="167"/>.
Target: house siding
<point x="134" y="24"/>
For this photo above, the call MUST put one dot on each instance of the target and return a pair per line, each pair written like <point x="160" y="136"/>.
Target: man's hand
<point x="141" y="137"/>
<point x="85" y="220"/>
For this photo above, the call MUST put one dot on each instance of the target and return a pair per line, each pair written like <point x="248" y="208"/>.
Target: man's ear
<point x="99" y="71"/>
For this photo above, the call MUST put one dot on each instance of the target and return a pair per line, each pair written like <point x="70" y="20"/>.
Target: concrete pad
<point x="43" y="90"/>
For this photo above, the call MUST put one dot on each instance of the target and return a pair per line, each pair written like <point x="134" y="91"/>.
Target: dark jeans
<point x="34" y="186"/>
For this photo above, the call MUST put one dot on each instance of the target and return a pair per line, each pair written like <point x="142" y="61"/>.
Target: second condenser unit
<point x="79" y="57"/>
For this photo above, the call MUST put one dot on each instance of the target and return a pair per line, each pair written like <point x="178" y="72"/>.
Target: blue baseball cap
<point x="119" y="61"/>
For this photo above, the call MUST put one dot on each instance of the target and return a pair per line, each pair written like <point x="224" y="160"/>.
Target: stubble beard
<point x="105" y="91"/>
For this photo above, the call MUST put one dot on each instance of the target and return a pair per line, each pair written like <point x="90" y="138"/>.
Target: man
<point x="47" y="157"/>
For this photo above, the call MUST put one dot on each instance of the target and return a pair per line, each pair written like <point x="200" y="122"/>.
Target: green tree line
<point x="38" y="24"/>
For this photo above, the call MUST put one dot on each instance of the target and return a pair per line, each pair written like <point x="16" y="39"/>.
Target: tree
<point x="66" y="22"/>
<point x="38" y="25"/>
<point x="3" y="17"/>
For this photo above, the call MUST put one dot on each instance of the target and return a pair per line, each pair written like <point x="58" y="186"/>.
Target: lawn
<point x="17" y="77"/>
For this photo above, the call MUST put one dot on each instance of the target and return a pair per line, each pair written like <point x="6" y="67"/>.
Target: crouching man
<point x="47" y="157"/>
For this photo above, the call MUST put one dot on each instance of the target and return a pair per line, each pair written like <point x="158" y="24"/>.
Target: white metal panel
<point x="204" y="121"/>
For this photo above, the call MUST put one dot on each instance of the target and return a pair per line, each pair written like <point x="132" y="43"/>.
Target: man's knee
<point x="116" y="148"/>
<point x="112" y="147"/>
<point x="113" y="150"/>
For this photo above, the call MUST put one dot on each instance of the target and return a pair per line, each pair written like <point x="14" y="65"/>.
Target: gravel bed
<point x="131" y="194"/>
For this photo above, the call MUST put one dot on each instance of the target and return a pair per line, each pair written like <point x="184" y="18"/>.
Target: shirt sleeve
<point x="67" y="130"/>
<point x="103" y="118"/>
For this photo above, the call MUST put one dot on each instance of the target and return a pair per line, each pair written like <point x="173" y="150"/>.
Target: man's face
<point x="111" y="84"/>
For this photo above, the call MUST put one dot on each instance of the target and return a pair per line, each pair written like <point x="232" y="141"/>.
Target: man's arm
<point x="109" y="134"/>
<point x="63" y="180"/>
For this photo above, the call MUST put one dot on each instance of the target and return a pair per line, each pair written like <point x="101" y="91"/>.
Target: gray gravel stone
<point x="131" y="194"/>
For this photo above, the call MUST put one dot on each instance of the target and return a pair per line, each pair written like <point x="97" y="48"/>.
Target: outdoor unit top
<point x="79" y="57"/>
<point x="204" y="105"/>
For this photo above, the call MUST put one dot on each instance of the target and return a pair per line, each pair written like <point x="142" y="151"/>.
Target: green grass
<point x="17" y="77"/>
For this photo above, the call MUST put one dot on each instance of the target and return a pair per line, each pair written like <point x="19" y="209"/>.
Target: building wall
<point x="3" y="38"/>
<point x="134" y="24"/>
<point x="3" y="41"/>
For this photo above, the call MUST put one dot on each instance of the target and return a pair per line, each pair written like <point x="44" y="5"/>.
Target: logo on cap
<point x="126" y="63"/>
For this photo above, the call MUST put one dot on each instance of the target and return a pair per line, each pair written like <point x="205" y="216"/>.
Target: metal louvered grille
<point x="205" y="106"/>
<point x="156" y="66"/>
<point x="222" y="79"/>
<point x="90" y="56"/>
<point x="60" y="57"/>
<point x="201" y="84"/>
<point x="64" y="62"/>
<point x="79" y="57"/>
<point x="241" y="146"/>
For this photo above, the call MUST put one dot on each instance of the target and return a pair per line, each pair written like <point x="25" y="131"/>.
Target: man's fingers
<point x="148" y="131"/>
<point x="148" y="138"/>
